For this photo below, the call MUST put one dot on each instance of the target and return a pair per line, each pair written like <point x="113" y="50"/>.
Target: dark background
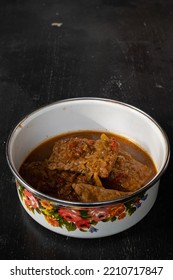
<point x="118" y="49"/>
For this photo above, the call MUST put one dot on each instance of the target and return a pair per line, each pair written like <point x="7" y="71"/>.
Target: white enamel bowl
<point x="87" y="220"/>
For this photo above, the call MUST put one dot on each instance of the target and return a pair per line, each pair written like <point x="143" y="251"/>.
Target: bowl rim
<point x="86" y="204"/>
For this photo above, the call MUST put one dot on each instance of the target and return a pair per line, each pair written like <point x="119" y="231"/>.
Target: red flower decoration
<point x="69" y="215"/>
<point x="98" y="214"/>
<point x="73" y="216"/>
<point x="30" y="200"/>
<point x="83" y="223"/>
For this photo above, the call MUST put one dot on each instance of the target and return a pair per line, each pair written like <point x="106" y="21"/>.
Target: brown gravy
<point x="44" y="150"/>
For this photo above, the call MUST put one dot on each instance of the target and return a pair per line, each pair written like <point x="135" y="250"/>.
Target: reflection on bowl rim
<point x="87" y="204"/>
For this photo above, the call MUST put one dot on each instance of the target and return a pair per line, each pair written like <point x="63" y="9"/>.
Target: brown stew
<point x="88" y="166"/>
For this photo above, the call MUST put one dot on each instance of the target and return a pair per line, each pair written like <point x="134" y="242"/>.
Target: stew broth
<point x="129" y="169"/>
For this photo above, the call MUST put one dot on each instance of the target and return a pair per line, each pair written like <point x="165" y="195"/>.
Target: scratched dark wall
<point x="57" y="49"/>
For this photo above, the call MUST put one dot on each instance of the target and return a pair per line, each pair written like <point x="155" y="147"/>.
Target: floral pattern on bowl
<point x="84" y="219"/>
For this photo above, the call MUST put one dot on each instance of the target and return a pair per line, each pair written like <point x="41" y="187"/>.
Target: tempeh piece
<point x="128" y="174"/>
<point x="90" y="193"/>
<point x="85" y="156"/>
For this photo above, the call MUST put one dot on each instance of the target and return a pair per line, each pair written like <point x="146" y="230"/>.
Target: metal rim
<point x="87" y="204"/>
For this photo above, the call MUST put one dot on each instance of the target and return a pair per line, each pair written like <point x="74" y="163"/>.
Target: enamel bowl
<point x="87" y="220"/>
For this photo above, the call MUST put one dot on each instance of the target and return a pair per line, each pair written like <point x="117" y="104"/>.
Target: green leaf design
<point x="20" y="189"/>
<point x="106" y="220"/>
<point x="38" y="211"/>
<point x="113" y="219"/>
<point x="83" y="230"/>
<point x="56" y="215"/>
<point x="70" y="226"/>
<point x="61" y="221"/>
<point x="93" y="222"/>
<point x="84" y="214"/>
<point x="131" y="210"/>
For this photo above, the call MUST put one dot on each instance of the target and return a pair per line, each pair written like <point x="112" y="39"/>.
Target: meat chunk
<point x="91" y="193"/>
<point x="128" y="174"/>
<point x="85" y="156"/>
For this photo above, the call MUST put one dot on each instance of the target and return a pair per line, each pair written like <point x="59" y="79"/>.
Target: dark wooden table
<point x="58" y="49"/>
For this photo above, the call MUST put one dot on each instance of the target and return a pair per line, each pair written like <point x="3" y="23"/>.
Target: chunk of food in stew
<point x="88" y="167"/>
<point x="85" y="156"/>
<point x="90" y="193"/>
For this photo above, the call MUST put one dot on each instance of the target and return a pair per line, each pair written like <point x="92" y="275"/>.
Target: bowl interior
<point x="87" y="114"/>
